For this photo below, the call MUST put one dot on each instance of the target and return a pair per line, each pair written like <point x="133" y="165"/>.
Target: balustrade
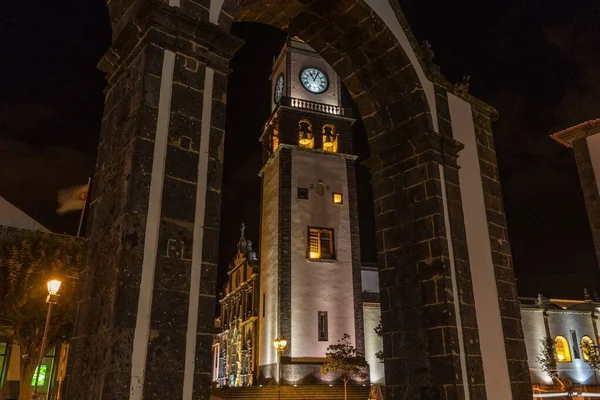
<point x="314" y="106"/>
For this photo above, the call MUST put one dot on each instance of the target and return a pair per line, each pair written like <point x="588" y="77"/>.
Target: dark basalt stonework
<point x="285" y="245"/>
<point x="420" y="335"/>
<point x="510" y="313"/>
<point x="101" y="350"/>
<point x="359" y="335"/>
<point x="415" y="278"/>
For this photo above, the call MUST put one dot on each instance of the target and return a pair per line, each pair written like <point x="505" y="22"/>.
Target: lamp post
<point x="53" y="286"/>
<point x="279" y="345"/>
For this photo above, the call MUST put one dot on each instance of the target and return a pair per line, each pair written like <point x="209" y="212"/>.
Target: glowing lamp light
<point x="53" y="286"/>
<point x="280" y="344"/>
<point x="327" y="142"/>
<point x="314" y="254"/>
<point x="337" y="198"/>
<point x="560" y="357"/>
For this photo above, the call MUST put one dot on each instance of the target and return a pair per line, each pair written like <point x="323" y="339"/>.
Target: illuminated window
<point x="45" y="371"/>
<point x="3" y="359"/>
<point x="275" y="139"/>
<point x="322" y="322"/>
<point x="305" y="135"/>
<point x="330" y="142"/>
<point x="562" y="349"/>
<point x="588" y="348"/>
<point x="320" y="244"/>
<point x="337" y="198"/>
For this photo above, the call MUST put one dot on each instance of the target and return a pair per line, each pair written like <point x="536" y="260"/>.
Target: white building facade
<point x="310" y="265"/>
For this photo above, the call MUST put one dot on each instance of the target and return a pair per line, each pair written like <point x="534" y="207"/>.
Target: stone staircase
<point x="300" y="392"/>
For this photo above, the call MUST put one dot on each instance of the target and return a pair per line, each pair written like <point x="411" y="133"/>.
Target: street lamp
<point x="279" y="345"/>
<point x="53" y="286"/>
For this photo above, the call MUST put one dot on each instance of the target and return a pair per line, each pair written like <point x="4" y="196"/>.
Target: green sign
<point x="41" y="378"/>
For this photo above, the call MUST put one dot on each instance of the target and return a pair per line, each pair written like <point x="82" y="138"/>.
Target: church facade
<point x="235" y="350"/>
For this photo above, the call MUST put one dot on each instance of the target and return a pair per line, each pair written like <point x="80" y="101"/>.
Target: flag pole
<point x="87" y="195"/>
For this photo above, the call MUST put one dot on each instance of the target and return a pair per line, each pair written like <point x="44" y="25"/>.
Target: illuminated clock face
<point x="278" y="89"/>
<point x="314" y="80"/>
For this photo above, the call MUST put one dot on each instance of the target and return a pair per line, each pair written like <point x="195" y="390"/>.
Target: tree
<point x="343" y="359"/>
<point x="591" y="355"/>
<point x="547" y="358"/>
<point x="379" y="332"/>
<point x="27" y="262"/>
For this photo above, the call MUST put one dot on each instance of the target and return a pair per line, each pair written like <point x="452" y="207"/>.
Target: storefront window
<point x="44" y="375"/>
<point x="3" y="361"/>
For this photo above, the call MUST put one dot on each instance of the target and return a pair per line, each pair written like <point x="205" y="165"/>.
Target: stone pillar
<point x="586" y="157"/>
<point x="585" y="141"/>
<point x="430" y="327"/>
<point x="146" y="302"/>
<point x="505" y="298"/>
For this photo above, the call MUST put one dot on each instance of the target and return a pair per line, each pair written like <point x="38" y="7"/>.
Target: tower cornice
<point x="278" y="150"/>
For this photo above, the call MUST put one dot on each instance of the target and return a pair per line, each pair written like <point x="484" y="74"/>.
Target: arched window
<point x="561" y="345"/>
<point x="305" y="134"/>
<point x="587" y="348"/>
<point x="330" y="142"/>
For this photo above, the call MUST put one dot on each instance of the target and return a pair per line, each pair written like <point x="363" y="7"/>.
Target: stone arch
<point x="143" y="313"/>
<point x="367" y="56"/>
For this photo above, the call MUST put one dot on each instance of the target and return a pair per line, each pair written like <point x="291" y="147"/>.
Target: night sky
<point x="536" y="61"/>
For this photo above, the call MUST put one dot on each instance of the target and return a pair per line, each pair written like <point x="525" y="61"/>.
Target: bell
<point x="304" y="138"/>
<point x="305" y="135"/>
<point x="327" y="142"/>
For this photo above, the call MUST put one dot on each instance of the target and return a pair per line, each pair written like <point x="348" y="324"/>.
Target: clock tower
<point x="310" y="278"/>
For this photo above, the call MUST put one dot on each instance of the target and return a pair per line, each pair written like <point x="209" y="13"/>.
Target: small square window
<point x="303" y="193"/>
<point x="338" y="198"/>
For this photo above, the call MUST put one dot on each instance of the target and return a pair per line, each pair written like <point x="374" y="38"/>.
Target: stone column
<point x="585" y="159"/>
<point x="430" y="328"/>
<point x="505" y="299"/>
<point x="585" y="141"/>
<point x="146" y="302"/>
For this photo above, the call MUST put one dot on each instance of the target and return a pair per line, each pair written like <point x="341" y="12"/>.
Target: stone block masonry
<point x="147" y="287"/>
<point x="146" y="306"/>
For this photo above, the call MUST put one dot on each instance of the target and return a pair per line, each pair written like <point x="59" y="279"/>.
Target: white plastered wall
<point x="269" y="264"/>
<point x="562" y="322"/>
<point x="320" y="286"/>
<point x="373" y="343"/>
<point x="593" y="143"/>
<point x="12" y="216"/>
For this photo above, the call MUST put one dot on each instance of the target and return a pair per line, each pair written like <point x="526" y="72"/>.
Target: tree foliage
<point x="591" y="355"/>
<point x="344" y="360"/>
<point x="379" y="332"/>
<point x="547" y="358"/>
<point x="27" y="262"/>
